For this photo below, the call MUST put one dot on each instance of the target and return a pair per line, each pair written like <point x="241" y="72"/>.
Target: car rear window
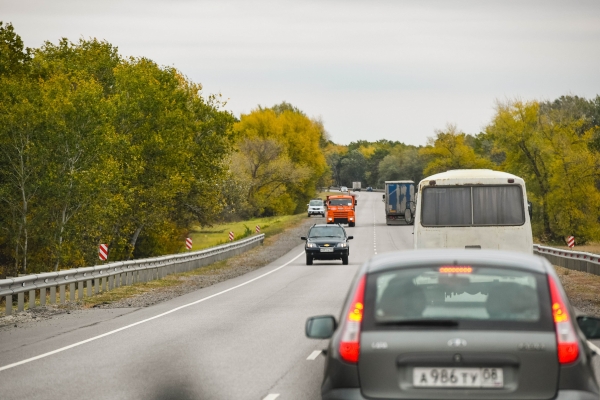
<point x="477" y="297"/>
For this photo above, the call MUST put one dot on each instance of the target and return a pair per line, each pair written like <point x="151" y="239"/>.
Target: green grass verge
<point x="203" y="238"/>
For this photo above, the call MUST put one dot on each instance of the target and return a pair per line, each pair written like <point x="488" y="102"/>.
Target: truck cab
<point x="341" y="209"/>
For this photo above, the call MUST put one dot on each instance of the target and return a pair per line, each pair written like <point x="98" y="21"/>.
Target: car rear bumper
<point x="335" y="255"/>
<point x="343" y="394"/>
<point x="575" y="395"/>
<point x="355" y="394"/>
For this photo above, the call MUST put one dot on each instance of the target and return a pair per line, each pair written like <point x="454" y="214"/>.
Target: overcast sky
<point x="370" y="69"/>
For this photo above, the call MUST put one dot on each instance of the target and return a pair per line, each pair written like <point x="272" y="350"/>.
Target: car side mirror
<point x="530" y="209"/>
<point x="320" y="327"/>
<point x="350" y="237"/>
<point x="384" y="196"/>
<point x="355" y="202"/>
<point x="303" y="237"/>
<point x="590" y="327"/>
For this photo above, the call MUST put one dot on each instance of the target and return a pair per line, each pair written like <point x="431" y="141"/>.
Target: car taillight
<point x="350" y="341"/>
<point x="566" y="338"/>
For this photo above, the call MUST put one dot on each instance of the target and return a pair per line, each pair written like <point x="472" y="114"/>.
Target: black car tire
<point x="351" y="224"/>
<point x="345" y="260"/>
<point x="309" y="259"/>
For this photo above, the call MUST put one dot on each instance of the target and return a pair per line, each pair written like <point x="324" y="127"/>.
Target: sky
<point x="370" y="70"/>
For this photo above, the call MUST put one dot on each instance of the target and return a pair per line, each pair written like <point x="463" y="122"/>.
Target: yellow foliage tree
<point x="294" y="159"/>
<point x="449" y="150"/>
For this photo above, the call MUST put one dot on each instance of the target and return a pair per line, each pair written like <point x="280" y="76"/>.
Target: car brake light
<point x="350" y="341"/>
<point x="456" y="269"/>
<point x="566" y="339"/>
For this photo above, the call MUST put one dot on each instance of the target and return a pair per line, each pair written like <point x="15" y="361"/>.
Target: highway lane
<point x="247" y="342"/>
<point x="239" y="339"/>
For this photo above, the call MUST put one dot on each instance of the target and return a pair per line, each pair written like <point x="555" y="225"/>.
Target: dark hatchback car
<point x="327" y="242"/>
<point x="457" y="324"/>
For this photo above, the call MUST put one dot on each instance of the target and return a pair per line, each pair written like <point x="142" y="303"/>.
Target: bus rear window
<point x="473" y="205"/>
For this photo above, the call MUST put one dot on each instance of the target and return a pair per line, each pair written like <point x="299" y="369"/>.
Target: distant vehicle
<point x="316" y="207"/>
<point x="327" y="242"/>
<point x="369" y="189"/>
<point x="341" y="209"/>
<point x="343" y="189"/>
<point x="457" y="324"/>
<point x="400" y="202"/>
<point x="473" y="208"/>
<point x="356" y="186"/>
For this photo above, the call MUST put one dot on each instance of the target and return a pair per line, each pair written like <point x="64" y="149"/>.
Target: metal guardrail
<point x="101" y="278"/>
<point x="576" y="260"/>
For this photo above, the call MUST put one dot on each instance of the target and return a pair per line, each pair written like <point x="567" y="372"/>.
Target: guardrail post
<point x="80" y="290"/>
<point x="52" y="294"/>
<point x="110" y="282"/>
<point x="103" y="284"/>
<point x="20" y="301"/>
<point x="72" y="291"/>
<point x="62" y="294"/>
<point x="8" y="304"/>
<point x="32" y="298"/>
<point x="88" y="283"/>
<point x="42" y="297"/>
<point x="97" y="285"/>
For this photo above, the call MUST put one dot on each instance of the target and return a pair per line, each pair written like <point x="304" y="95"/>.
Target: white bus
<point x="473" y="208"/>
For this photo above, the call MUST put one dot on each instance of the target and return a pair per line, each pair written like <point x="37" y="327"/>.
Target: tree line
<point x="98" y="148"/>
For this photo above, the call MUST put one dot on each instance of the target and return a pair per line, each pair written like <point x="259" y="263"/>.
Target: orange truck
<point x="341" y="209"/>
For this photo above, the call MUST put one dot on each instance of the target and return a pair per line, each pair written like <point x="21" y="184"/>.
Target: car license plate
<point x="458" y="377"/>
<point x="326" y="250"/>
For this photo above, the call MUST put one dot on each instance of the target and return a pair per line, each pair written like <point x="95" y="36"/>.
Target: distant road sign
<point x="103" y="251"/>
<point x="188" y="243"/>
<point x="257" y="229"/>
<point x="571" y="241"/>
<point x="231" y="236"/>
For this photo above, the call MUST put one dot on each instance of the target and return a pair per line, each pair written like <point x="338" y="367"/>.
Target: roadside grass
<point x="588" y="248"/>
<point x="203" y="238"/>
<point x="583" y="289"/>
<point x="136" y="289"/>
<point x="591" y="247"/>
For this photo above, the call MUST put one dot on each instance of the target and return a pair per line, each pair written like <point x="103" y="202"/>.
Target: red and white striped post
<point x="103" y="251"/>
<point x="231" y="236"/>
<point x="188" y="243"/>
<point x="571" y="241"/>
<point x="257" y="229"/>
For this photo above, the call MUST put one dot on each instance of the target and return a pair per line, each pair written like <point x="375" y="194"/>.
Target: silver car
<point x="456" y="324"/>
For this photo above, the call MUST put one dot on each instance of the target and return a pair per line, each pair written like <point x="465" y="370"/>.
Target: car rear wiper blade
<point x="420" y="322"/>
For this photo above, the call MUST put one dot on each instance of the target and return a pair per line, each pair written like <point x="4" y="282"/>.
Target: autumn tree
<point x="449" y="150"/>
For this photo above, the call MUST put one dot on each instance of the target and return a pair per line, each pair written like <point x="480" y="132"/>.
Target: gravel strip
<point x="273" y="248"/>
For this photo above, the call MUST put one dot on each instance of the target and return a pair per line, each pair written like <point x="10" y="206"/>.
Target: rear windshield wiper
<point x="420" y="322"/>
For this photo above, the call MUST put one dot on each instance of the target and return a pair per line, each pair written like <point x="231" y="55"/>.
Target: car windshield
<point x="316" y="203"/>
<point x="340" y="202"/>
<point x="456" y="293"/>
<point x="326" y="231"/>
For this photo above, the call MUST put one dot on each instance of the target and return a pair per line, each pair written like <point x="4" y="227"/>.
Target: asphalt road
<point x="239" y="339"/>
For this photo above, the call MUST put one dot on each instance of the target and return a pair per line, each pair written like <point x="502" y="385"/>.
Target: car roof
<point x="492" y="258"/>
<point x="327" y="226"/>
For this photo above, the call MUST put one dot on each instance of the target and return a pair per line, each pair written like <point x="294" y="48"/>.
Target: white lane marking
<point x="271" y="396"/>
<point x="28" y="360"/>
<point x="314" y="355"/>
<point x="594" y="347"/>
